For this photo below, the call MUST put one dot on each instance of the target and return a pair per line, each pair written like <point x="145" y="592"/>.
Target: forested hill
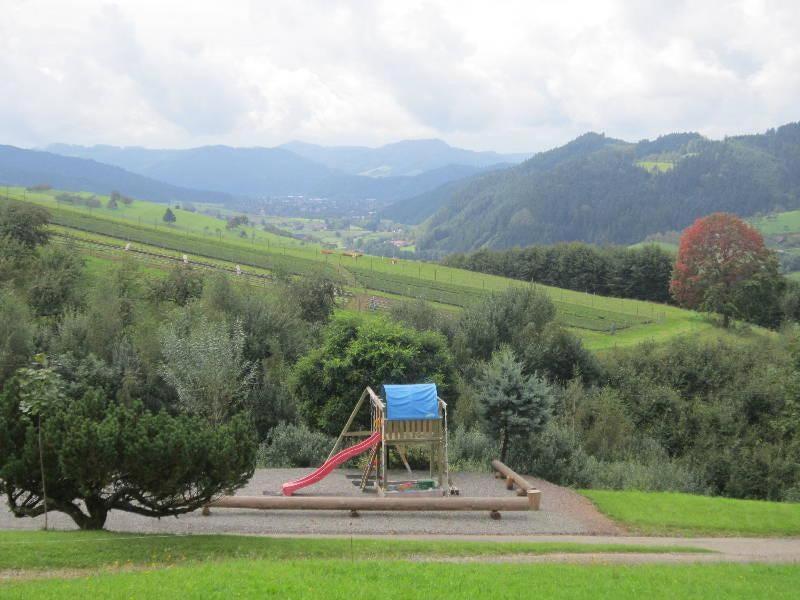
<point x="603" y="190"/>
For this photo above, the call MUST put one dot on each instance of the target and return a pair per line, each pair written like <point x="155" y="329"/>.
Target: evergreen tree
<point x="97" y="456"/>
<point x="169" y="216"/>
<point x="513" y="405"/>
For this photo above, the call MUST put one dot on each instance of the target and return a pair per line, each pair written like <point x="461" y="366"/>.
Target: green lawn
<point x="664" y="513"/>
<point x="92" y="550"/>
<point x="406" y="580"/>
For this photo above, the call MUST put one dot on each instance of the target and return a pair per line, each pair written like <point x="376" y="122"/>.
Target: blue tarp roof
<point x="413" y="401"/>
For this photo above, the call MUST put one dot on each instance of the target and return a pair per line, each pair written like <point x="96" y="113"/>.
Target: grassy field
<point x="602" y="322"/>
<point x="408" y="580"/>
<point x="778" y="223"/>
<point x="663" y="513"/>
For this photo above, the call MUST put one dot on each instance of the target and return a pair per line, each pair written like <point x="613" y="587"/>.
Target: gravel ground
<point x="562" y="512"/>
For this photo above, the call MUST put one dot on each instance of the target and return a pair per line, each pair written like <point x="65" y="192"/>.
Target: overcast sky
<point x="499" y="75"/>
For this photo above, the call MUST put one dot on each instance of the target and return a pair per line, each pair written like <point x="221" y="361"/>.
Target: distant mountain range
<point x="604" y="190"/>
<point x="389" y="173"/>
<point x="406" y="158"/>
<point x="31" y="167"/>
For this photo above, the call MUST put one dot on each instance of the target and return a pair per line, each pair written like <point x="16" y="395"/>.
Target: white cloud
<point x="508" y="75"/>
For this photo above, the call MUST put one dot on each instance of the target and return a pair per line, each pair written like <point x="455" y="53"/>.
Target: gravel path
<point x="562" y="512"/>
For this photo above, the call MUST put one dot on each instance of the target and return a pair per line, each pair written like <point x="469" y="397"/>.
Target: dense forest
<point x="603" y="190"/>
<point x="206" y="376"/>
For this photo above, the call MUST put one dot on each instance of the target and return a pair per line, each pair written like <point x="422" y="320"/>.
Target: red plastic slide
<point x="290" y="487"/>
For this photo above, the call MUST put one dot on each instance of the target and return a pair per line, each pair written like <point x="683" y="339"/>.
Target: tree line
<point x="641" y="273"/>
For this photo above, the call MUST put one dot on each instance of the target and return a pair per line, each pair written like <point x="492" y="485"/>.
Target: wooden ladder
<point x="371" y="463"/>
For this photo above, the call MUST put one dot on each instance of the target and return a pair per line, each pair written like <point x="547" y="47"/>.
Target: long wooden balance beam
<point x="356" y="503"/>
<point x="512" y="478"/>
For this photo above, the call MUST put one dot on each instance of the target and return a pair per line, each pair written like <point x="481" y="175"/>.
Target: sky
<point x="505" y="75"/>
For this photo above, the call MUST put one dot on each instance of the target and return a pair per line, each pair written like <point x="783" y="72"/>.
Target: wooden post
<point x="512" y="478"/>
<point x="534" y="499"/>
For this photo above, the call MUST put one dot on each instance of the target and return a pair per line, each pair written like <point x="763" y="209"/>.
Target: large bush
<point x="513" y="317"/>
<point x="355" y="353"/>
<point x="100" y="456"/>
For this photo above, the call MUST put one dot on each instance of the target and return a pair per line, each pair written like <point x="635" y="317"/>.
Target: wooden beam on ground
<point x="512" y="478"/>
<point x="385" y="503"/>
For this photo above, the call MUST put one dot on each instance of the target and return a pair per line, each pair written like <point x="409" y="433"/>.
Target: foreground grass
<point x="408" y="580"/>
<point x="91" y="550"/>
<point x="661" y="513"/>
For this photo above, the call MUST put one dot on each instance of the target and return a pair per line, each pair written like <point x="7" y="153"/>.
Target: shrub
<point x="355" y="353"/>
<point x="315" y="296"/>
<point x="661" y="475"/>
<point x="55" y="280"/>
<point x="181" y="285"/>
<point x="471" y="450"/>
<point x="25" y="223"/>
<point x="559" y="355"/>
<point x="422" y="316"/>
<point x="289" y="445"/>
<point x="555" y="455"/>
<point x="512" y="318"/>
<point x="100" y="456"/>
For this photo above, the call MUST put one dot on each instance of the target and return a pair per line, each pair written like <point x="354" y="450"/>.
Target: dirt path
<point x="721" y="549"/>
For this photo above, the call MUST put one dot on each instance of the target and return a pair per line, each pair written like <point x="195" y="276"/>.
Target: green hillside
<point x="602" y="322"/>
<point x="602" y="190"/>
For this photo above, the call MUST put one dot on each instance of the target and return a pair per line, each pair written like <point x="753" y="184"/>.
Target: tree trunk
<point x="98" y="511"/>
<point x="726" y="320"/>
<point x="503" y="446"/>
<point x="41" y="468"/>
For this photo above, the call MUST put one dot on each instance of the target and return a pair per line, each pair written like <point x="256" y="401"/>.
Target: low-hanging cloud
<point x="508" y="75"/>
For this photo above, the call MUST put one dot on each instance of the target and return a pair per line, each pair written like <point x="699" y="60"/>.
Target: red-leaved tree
<point x="723" y="266"/>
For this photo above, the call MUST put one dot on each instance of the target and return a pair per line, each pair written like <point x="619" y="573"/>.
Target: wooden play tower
<point x="407" y="416"/>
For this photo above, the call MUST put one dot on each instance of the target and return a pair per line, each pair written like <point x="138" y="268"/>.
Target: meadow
<point x="601" y="321"/>
<point x="778" y="223"/>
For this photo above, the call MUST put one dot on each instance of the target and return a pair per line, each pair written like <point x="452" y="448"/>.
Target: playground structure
<point x="410" y="416"/>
